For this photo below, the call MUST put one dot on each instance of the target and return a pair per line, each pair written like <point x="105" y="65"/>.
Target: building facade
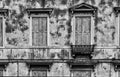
<point x="60" y="38"/>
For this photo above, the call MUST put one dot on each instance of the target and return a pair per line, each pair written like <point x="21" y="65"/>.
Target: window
<point x="39" y="31"/>
<point x="39" y="21"/>
<point x="83" y="16"/>
<point x="82" y="30"/>
<point x="38" y="68"/>
<point x="79" y="69"/>
<point x="117" y="28"/>
<point x="81" y="73"/>
<point x="3" y="65"/>
<point x="3" y="12"/>
<point x="39" y="71"/>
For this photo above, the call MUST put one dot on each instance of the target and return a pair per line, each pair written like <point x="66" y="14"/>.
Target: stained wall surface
<point x="17" y="35"/>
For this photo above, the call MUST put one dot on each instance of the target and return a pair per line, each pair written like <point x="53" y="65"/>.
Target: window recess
<point x="83" y="16"/>
<point x="39" y="26"/>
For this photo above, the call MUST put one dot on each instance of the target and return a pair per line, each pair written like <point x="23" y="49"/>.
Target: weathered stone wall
<point x="17" y="28"/>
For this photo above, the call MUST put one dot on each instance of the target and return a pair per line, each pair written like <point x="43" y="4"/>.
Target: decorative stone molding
<point x="116" y="10"/>
<point x="82" y="64"/>
<point x="39" y="11"/>
<point x="44" y="64"/>
<point x="116" y="64"/>
<point x="3" y="64"/>
<point x="83" y="8"/>
<point x="4" y="12"/>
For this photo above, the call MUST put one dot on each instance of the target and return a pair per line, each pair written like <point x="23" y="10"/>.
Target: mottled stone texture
<point x="17" y="27"/>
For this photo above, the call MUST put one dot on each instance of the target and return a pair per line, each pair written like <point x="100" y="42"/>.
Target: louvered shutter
<point x="86" y="36"/>
<point x="81" y="73"/>
<point x="39" y="31"/>
<point x="39" y="73"/>
<point x="35" y="31"/>
<point x="1" y="71"/>
<point x="83" y="31"/>
<point x="44" y="24"/>
<point x="1" y="32"/>
<point x="78" y="31"/>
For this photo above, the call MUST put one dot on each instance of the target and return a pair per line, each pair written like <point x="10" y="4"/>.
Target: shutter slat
<point x="78" y="34"/>
<point x="1" y="25"/>
<point x="39" y="73"/>
<point x="35" y="24"/>
<point x="1" y="33"/>
<point x="40" y="39"/>
<point x="44" y="38"/>
<point x="41" y="24"/>
<point x="44" y="23"/>
<point x="83" y="31"/>
<point x="86" y="38"/>
<point x="81" y="73"/>
<point x="78" y="38"/>
<point x="86" y="25"/>
<point x="78" y="24"/>
<point x="40" y="31"/>
<point x="34" y="38"/>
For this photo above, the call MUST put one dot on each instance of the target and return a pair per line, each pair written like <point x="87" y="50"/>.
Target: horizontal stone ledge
<point x="38" y="47"/>
<point x="62" y="60"/>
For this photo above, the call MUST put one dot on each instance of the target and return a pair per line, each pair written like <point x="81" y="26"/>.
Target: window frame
<point x="81" y="69"/>
<point x="38" y="69"/>
<point x="41" y="15"/>
<point x="3" y="31"/>
<point x="92" y="26"/>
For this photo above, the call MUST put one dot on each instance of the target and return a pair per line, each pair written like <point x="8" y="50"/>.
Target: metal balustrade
<point x="82" y="49"/>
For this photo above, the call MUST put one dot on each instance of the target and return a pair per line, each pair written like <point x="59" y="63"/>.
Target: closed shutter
<point x="44" y="25"/>
<point x="1" y="32"/>
<point x="78" y="31"/>
<point x="39" y="31"/>
<point x="39" y="73"/>
<point x="83" y="31"/>
<point x="81" y="73"/>
<point x="1" y="71"/>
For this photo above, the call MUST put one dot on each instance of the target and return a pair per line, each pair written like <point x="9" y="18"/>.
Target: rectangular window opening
<point x="39" y="31"/>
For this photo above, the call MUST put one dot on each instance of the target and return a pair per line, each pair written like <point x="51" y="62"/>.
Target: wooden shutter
<point x="39" y="73"/>
<point x="44" y="32"/>
<point x="83" y="31"/>
<point x="1" y="71"/>
<point x="1" y="32"/>
<point x="35" y="31"/>
<point x="78" y="31"/>
<point x="81" y="73"/>
<point x="39" y="31"/>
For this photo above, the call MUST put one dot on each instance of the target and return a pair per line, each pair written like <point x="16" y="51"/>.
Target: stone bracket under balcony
<point x="82" y="64"/>
<point x="4" y="12"/>
<point x="82" y="51"/>
<point x="116" y="64"/>
<point x="45" y="65"/>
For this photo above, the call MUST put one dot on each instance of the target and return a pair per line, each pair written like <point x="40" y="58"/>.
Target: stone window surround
<point x="92" y="26"/>
<point x="39" y="12"/>
<point x="3" y="13"/>
<point x="42" y="15"/>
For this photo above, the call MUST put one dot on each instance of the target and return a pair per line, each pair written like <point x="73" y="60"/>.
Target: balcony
<point x="82" y="50"/>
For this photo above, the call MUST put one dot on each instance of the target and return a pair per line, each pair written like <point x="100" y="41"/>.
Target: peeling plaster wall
<point x="17" y="28"/>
